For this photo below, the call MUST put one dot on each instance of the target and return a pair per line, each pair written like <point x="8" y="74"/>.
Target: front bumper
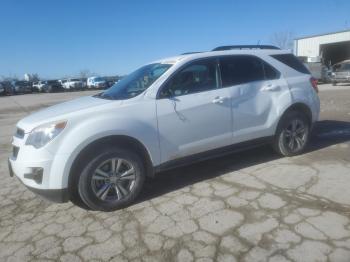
<point x="41" y="170"/>
<point x="54" y="195"/>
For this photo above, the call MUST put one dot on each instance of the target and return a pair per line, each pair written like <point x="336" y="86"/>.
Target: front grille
<point x="19" y="133"/>
<point x="15" y="151"/>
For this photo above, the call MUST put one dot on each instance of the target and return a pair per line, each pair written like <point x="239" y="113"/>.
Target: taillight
<point x="313" y="82"/>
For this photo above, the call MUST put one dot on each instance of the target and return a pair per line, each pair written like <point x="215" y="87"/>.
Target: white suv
<point x="73" y="84"/>
<point x="98" y="150"/>
<point x="96" y="82"/>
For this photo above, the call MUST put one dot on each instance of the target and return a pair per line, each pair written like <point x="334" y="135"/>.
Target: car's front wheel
<point x="292" y="134"/>
<point x="112" y="179"/>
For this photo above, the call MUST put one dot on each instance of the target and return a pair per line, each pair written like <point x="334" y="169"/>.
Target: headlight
<point x="43" y="134"/>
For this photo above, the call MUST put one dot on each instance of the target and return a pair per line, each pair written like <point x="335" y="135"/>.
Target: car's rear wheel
<point x="292" y="134"/>
<point x="112" y="179"/>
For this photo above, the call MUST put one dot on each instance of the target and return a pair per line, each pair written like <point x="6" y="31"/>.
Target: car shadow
<point x="325" y="133"/>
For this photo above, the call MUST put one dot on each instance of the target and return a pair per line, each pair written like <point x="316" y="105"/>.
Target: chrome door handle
<point x="270" y="87"/>
<point x="219" y="100"/>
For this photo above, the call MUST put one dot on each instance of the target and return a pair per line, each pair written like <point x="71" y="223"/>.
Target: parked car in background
<point x="62" y="82"/>
<point x="341" y="72"/>
<point x="96" y="82"/>
<point x="73" y="84"/>
<point x="99" y="149"/>
<point x="19" y="87"/>
<point x="111" y="80"/>
<point x="110" y="83"/>
<point x="2" y="89"/>
<point x="52" y="86"/>
<point x="38" y="86"/>
<point x="8" y="89"/>
<point x="84" y="83"/>
<point x="35" y="86"/>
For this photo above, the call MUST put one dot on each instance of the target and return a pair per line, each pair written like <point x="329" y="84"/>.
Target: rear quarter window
<point x="291" y="61"/>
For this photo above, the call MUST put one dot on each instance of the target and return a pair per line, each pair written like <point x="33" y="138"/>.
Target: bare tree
<point x="84" y="73"/>
<point x="283" y="40"/>
<point x="35" y="77"/>
<point x="9" y="78"/>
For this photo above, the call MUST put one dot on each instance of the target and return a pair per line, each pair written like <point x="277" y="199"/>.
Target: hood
<point x="60" y="112"/>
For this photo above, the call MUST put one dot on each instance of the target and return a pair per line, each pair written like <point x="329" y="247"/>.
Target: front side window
<point x="196" y="77"/>
<point x="136" y="82"/>
<point x="240" y="69"/>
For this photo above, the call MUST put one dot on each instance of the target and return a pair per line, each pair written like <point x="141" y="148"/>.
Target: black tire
<point x="283" y="144"/>
<point x="87" y="186"/>
<point x="76" y="200"/>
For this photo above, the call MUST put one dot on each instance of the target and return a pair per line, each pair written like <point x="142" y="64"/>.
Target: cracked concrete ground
<point x="251" y="206"/>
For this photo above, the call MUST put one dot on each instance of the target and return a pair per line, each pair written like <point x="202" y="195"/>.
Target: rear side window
<point x="242" y="69"/>
<point x="293" y="62"/>
<point x="237" y="70"/>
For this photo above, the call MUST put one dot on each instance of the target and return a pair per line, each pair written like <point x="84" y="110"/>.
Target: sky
<point x="62" y="38"/>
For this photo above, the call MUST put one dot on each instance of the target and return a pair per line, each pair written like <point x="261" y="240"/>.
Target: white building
<point x="328" y="48"/>
<point x="27" y="77"/>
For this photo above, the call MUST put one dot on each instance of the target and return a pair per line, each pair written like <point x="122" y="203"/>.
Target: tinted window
<point x="270" y="72"/>
<point x="240" y="69"/>
<point x="293" y="62"/>
<point x="199" y="76"/>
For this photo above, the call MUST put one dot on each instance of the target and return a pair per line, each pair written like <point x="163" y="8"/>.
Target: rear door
<point x="255" y="89"/>
<point x="194" y="114"/>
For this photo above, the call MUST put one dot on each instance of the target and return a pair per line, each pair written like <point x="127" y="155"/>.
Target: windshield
<point x="135" y="83"/>
<point x="98" y="79"/>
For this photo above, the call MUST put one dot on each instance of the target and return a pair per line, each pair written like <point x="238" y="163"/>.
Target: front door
<point x="194" y="114"/>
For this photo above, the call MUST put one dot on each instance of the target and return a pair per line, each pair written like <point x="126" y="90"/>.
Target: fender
<point x="83" y="133"/>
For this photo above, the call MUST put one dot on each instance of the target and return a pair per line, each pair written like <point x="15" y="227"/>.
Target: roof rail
<point x="190" y="53"/>
<point x="230" y="47"/>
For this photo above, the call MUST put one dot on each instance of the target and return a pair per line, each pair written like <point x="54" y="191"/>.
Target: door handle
<point x="219" y="100"/>
<point x="270" y="87"/>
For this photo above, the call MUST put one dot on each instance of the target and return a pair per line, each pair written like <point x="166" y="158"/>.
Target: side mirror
<point x="167" y="93"/>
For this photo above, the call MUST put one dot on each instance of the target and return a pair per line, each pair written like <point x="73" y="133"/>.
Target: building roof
<point x="332" y="33"/>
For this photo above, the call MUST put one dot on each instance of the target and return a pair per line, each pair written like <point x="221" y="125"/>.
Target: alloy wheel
<point x="295" y="135"/>
<point x="113" y="180"/>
